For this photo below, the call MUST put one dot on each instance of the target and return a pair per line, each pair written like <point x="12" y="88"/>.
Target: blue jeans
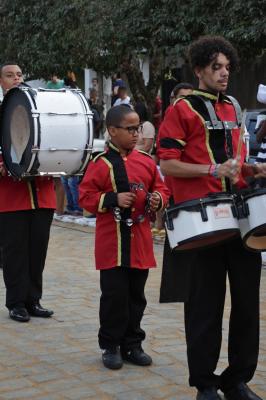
<point x="71" y="188"/>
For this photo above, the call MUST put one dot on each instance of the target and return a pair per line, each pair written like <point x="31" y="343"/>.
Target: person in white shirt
<point x="260" y="128"/>
<point x="123" y="98"/>
<point x="146" y="137"/>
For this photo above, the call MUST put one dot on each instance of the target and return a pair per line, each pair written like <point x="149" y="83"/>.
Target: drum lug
<point x="35" y="149"/>
<point x="234" y="208"/>
<point x="246" y="209"/>
<point x="35" y="114"/>
<point x="168" y="221"/>
<point x="235" y="211"/>
<point x="88" y="148"/>
<point x="242" y="209"/>
<point x="203" y="212"/>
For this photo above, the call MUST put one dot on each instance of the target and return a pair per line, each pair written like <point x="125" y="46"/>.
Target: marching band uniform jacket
<point x="117" y="244"/>
<point x="184" y="135"/>
<point x="30" y="194"/>
<point x="26" y="194"/>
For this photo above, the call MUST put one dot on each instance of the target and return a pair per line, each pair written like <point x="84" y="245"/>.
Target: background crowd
<point x="68" y="209"/>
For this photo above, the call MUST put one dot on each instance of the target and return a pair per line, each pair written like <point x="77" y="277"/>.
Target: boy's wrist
<point x="110" y="200"/>
<point x="160" y="204"/>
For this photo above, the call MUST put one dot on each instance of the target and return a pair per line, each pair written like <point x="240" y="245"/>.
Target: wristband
<point x="213" y="170"/>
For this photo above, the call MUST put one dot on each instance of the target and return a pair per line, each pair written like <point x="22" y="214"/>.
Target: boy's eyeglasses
<point x="131" y="129"/>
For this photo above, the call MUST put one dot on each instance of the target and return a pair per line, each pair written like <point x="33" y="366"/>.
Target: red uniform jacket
<point x="117" y="244"/>
<point x="184" y="136"/>
<point x="16" y="195"/>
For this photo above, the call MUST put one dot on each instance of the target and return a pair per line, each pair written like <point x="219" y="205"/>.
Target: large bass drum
<point x="201" y="223"/>
<point x="45" y="132"/>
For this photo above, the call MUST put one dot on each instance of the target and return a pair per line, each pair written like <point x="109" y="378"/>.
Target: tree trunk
<point x="140" y="92"/>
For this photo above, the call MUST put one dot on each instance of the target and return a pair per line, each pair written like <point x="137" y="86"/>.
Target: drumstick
<point x="241" y="135"/>
<point x="240" y="141"/>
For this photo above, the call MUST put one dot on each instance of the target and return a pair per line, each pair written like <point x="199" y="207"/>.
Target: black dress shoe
<point x="208" y="394"/>
<point x="137" y="357"/>
<point x="19" y="314"/>
<point x="112" y="358"/>
<point x="241" y="392"/>
<point x="36" y="310"/>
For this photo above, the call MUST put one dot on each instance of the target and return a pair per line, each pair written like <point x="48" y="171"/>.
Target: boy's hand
<point x="154" y="201"/>
<point x="126" y="199"/>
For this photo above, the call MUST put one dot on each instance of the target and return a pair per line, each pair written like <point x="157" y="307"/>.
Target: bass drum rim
<point x="16" y="97"/>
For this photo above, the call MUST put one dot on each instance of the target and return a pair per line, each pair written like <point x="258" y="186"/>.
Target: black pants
<point x="1" y="258"/>
<point x="204" y="315"/>
<point x="24" y="237"/>
<point x="121" y="307"/>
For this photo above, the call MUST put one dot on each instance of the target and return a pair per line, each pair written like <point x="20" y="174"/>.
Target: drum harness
<point x="227" y="126"/>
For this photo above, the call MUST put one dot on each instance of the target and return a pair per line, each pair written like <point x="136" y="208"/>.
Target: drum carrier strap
<point x="227" y="126"/>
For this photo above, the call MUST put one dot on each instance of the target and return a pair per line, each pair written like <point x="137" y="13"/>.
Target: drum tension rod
<point x="36" y="149"/>
<point x="75" y="114"/>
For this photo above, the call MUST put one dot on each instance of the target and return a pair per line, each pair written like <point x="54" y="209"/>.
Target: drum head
<point x="256" y="239"/>
<point x="17" y="132"/>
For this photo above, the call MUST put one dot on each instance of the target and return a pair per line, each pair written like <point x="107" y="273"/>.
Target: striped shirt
<point x="261" y="157"/>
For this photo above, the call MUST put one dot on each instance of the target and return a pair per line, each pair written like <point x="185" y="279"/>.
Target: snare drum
<point x="45" y="132"/>
<point x="202" y="222"/>
<point x="252" y="219"/>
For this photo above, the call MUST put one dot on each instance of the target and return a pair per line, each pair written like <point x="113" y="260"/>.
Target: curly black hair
<point x="205" y="49"/>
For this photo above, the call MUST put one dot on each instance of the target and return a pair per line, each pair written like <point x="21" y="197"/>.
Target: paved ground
<point x="59" y="358"/>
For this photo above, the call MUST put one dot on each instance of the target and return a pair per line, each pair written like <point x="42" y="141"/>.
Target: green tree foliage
<point x="112" y="35"/>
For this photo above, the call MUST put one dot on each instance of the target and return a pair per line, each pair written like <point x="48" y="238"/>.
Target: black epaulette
<point x="99" y="156"/>
<point x="144" y="152"/>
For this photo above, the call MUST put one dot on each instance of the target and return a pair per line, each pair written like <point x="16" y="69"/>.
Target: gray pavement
<point x="59" y="358"/>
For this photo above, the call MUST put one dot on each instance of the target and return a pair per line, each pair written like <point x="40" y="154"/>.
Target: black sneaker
<point x="112" y="358"/>
<point x="137" y="357"/>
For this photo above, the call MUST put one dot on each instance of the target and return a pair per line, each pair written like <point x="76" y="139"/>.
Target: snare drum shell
<point x="188" y="225"/>
<point x="256" y="219"/>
